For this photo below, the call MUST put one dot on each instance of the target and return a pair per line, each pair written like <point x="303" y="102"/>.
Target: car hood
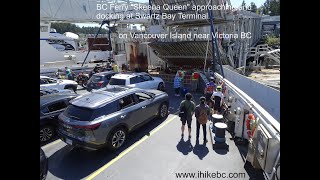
<point x="65" y="81"/>
<point x="113" y="86"/>
<point x="156" y="92"/>
<point x="157" y="79"/>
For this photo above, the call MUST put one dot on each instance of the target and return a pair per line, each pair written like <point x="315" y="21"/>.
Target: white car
<point x="52" y="83"/>
<point x="46" y="91"/>
<point x="138" y="80"/>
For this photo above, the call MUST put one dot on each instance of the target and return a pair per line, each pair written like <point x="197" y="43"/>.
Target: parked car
<point x="50" y="108"/>
<point x="54" y="83"/>
<point x="104" y="118"/>
<point x="139" y="80"/>
<point x="47" y="91"/>
<point x="43" y="165"/>
<point x="99" y="80"/>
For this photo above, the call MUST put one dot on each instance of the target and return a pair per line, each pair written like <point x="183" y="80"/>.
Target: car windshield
<point x="114" y="81"/>
<point x="96" y="78"/>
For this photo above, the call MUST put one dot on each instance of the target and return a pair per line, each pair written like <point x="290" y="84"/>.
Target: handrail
<point x="270" y="123"/>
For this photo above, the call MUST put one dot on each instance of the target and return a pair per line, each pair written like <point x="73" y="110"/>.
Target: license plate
<point x="68" y="141"/>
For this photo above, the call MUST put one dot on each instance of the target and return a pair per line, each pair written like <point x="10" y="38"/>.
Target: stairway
<point x="265" y="50"/>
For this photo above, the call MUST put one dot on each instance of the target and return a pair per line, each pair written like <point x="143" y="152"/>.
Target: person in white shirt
<point x="218" y="99"/>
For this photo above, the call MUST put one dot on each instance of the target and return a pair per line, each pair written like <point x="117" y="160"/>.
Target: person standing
<point x="188" y="107"/>
<point x="194" y="81"/>
<point x="69" y="73"/>
<point x="181" y="74"/>
<point x="202" y="111"/>
<point x="177" y="84"/>
<point x="209" y="89"/>
<point x="218" y="99"/>
<point x="224" y="87"/>
<point x="57" y="74"/>
<point x="115" y="67"/>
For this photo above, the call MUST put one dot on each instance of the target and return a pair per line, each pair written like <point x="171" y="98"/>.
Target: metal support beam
<point x="94" y="40"/>
<point x="216" y="43"/>
<point x="150" y="4"/>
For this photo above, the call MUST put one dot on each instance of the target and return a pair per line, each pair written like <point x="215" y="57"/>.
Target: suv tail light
<point x="88" y="127"/>
<point x="100" y="83"/>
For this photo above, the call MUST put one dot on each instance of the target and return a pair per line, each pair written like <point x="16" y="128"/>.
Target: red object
<point x="89" y="127"/>
<point x="100" y="83"/>
<point x="196" y="75"/>
<point x="210" y="88"/>
<point x="249" y="118"/>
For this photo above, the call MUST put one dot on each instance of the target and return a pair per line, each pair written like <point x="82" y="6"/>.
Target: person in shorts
<point x="190" y="107"/>
<point x="218" y="99"/>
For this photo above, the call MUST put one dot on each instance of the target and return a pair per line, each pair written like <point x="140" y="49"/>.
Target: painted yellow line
<point x="162" y="125"/>
<point x="50" y="144"/>
<point x="127" y="150"/>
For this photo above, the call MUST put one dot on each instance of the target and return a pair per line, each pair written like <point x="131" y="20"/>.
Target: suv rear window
<point x="114" y="81"/>
<point x="86" y="114"/>
<point x="96" y="78"/>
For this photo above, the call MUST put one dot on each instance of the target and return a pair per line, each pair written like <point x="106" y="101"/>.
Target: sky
<point x="234" y="3"/>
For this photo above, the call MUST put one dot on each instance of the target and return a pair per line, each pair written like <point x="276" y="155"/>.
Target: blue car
<point x="99" y="80"/>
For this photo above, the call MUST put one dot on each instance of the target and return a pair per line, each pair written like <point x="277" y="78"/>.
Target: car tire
<point x="71" y="88"/>
<point x="117" y="138"/>
<point x="163" y="110"/>
<point x="74" y="88"/>
<point x="43" y="165"/>
<point x="47" y="132"/>
<point x="161" y="87"/>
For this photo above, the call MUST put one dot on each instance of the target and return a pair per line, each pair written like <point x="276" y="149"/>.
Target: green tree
<point x="253" y="7"/>
<point x="274" y="8"/>
<point x="260" y="10"/>
<point x="271" y="7"/>
<point x="243" y="4"/>
<point x="68" y="27"/>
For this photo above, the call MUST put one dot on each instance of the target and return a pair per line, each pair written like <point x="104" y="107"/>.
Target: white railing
<point x="268" y="158"/>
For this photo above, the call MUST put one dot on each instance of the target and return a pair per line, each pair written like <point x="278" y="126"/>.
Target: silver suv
<point x="104" y="118"/>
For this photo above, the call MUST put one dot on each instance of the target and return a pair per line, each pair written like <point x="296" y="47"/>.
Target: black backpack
<point x="183" y="111"/>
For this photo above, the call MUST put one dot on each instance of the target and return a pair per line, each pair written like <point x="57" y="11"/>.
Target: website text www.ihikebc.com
<point x="209" y="175"/>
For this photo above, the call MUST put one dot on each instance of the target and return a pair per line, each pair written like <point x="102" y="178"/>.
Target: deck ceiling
<point x="217" y="15"/>
<point x="83" y="11"/>
<point x="186" y="52"/>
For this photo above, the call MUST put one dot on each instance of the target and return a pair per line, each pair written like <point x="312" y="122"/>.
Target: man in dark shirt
<point x="189" y="106"/>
